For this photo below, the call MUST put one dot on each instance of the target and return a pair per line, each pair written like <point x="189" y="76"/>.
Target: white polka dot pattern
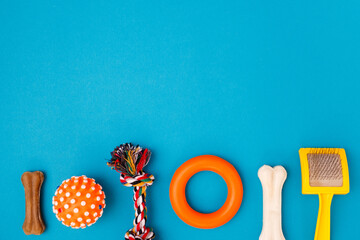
<point x="78" y="202"/>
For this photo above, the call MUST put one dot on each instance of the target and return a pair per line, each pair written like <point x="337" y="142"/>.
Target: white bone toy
<point x="272" y="181"/>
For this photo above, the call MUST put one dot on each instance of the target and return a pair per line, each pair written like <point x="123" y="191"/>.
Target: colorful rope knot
<point x="148" y="234"/>
<point x="129" y="160"/>
<point x="140" y="180"/>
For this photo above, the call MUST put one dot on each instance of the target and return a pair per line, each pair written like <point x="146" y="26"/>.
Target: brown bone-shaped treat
<point x="32" y="182"/>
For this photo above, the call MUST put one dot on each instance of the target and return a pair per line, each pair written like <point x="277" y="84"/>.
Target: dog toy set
<point x="79" y="201"/>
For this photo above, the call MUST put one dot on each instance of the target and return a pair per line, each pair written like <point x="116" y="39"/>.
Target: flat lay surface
<point x="249" y="81"/>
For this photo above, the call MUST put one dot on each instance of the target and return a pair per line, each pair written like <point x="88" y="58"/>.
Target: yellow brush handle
<point x="323" y="221"/>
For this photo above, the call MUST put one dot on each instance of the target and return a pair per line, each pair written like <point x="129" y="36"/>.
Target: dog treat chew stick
<point x="272" y="181"/>
<point x="32" y="182"/>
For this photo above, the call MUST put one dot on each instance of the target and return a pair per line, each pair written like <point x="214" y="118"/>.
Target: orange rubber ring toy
<point x="182" y="176"/>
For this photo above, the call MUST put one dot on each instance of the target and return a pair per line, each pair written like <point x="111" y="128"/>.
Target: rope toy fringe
<point x="129" y="161"/>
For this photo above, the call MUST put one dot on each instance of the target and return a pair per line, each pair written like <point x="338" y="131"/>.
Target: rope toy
<point x="129" y="161"/>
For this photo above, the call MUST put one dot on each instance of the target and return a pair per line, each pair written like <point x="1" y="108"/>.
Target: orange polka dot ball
<point x="79" y="202"/>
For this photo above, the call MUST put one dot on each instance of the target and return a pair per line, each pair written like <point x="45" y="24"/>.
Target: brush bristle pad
<point x="325" y="170"/>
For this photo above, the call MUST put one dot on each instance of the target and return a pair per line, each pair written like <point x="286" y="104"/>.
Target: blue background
<point x="249" y="81"/>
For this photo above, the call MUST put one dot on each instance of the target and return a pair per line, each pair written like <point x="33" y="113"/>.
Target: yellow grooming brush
<point x="324" y="172"/>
